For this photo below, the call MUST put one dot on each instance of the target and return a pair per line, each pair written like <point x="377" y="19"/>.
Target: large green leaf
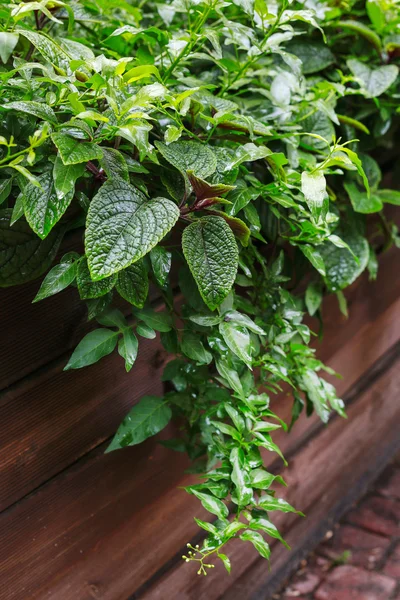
<point x="73" y="151"/>
<point x="93" y="347"/>
<point x="122" y="226"/>
<point x="374" y="81"/>
<point x="211" y="252"/>
<point x="341" y="266"/>
<point x="313" y="55"/>
<point x="24" y="256"/>
<point x="145" y="419"/>
<point x="47" y="47"/>
<point x="37" y="109"/>
<point x="133" y="284"/>
<point x="92" y="289"/>
<point x="189" y="156"/>
<point x="56" y="280"/>
<point x="42" y="206"/>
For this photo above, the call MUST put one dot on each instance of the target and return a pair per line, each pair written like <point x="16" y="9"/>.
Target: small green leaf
<point x="313" y="297"/>
<point x="59" y="278"/>
<point x="128" y="348"/>
<point x="341" y="266"/>
<point x="389" y="196"/>
<point x="237" y="339"/>
<point x="5" y="189"/>
<point x="146" y="418"/>
<point x="313" y="186"/>
<point x="160" y="260"/>
<point x="8" y="41"/>
<point x="268" y="503"/>
<point x="314" y="257"/>
<point x="361" y="202"/>
<point x="261" y="479"/>
<point x="73" y="151"/>
<point x="145" y="331"/>
<point x="93" y="347"/>
<point x="122" y="226"/>
<point x="225" y="561"/>
<point x="211" y="252"/>
<point x="133" y="284"/>
<point x="243" y="492"/>
<point x="258" y="542"/>
<point x="160" y="321"/>
<point x="193" y="347"/>
<point x="210" y="503"/>
<point x="263" y="524"/>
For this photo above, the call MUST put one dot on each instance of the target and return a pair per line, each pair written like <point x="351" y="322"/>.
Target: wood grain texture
<point x="50" y="421"/>
<point x="106" y="525"/>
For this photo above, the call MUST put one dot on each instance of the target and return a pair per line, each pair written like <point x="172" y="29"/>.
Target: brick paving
<point x="360" y="558"/>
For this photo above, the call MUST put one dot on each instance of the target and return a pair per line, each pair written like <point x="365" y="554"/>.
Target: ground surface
<point x="360" y="558"/>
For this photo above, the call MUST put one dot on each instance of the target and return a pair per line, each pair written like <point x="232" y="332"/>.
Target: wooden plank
<point x="328" y="464"/>
<point x="123" y="511"/>
<point x="55" y="418"/>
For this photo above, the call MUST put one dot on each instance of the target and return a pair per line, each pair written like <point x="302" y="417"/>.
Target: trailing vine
<point x="228" y="154"/>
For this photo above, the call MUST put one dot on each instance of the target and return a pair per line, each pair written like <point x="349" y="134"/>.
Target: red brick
<point x="389" y="484"/>
<point x="351" y="583"/>
<point x="304" y="583"/>
<point x="392" y="567"/>
<point x="377" y="514"/>
<point x="367" y="549"/>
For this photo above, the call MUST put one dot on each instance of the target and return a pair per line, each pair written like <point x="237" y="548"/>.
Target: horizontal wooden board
<point x="326" y="465"/>
<point x="37" y="333"/>
<point x="105" y="526"/>
<point x="53" y="419"/>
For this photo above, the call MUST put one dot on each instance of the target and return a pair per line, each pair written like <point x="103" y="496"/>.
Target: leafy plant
<point x="229" y="150"/>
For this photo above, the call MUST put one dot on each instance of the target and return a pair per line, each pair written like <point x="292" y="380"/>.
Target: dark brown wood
<point x="53" y="419"/>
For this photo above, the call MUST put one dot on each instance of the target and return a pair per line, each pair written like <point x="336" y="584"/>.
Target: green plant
<point x="239" y="140"/>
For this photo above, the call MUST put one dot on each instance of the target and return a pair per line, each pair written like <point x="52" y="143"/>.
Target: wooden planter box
<point x="77" y="524"/>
